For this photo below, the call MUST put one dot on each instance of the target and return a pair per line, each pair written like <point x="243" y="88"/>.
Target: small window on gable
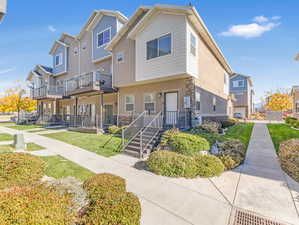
<point x="158" y="47"/>
<point x="239" y="83"/>
<point x="129" y="103"/>
<point x="120" y="57"/>
<point x="214" y="103"/>
<point x="58" y="59"/>
<point x="103" y="37"/>
<point x="149" y="102"/>
<point x="192" y="44"/>
<point x="84" y="46"/>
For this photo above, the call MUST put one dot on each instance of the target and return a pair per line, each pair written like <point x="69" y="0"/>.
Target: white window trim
<point x="109" y="28"/>
<point x="171" y="46"/>
<point x="123" y="54"/>
<point x="192" y="34"/>
<point x="154" y="101"/>
<point x="130" y="103"/>
<point x="236" y="83"/>
<point x="60" y="55"/>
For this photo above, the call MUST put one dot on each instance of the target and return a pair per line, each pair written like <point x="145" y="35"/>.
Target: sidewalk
<point x="259" y="185"/>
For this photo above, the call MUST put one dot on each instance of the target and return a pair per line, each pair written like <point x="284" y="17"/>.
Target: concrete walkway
<point x="259" y="185"/>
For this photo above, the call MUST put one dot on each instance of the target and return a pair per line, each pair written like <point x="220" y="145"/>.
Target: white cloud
<point x="275" y="17"/>
<point x="260" y="19"/>
<point x="7" y="70"/>
<point x="51" y="28"/>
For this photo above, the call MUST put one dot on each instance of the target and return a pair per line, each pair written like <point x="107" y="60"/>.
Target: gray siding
<point x="237" y="78"/>
<point x="104" y="23"/>
<point x="63" y="67"/>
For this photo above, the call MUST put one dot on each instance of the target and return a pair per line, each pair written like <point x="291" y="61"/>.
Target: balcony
<point x="47" y="92"/>
<point x="89" y="82"/>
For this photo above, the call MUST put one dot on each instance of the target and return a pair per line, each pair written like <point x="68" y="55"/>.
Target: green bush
<point x="168" y="136"/>
<point x="289" y="120"/>
<point x="114" y="130"/>
<point x="208" y="165"/>
<point x="19" y="169"/>
<point x="211" y="127"/>
<point x="185" y="143"/>
<point x="98" y="185"/>
<point x="229" y="162"/>
<point x="34" y="205"/>
<point x="172" y="164"/>
<point x="120" y="209"/>
<point x="227" y="123"/>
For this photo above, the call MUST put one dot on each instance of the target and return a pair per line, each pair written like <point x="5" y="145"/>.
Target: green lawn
<point x="6" y="124"/>
<point x="24" y="127"/>
<point x="105" y="145"/>
<point x="5" y="137"/>
<point x="241" y="131"/>
<point x="37" y="130"/>
<point x="59" y="167"/>
<point x="280" y="133"/>
<point x="30" y="147"/>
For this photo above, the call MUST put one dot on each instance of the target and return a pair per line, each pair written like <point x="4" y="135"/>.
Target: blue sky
<point x="258" y="37"/>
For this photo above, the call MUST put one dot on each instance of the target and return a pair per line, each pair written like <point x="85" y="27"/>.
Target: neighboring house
<point x="163" y="61"/>
<point x="295" y="99"/>
<point x="241" y="87"/>
<point x="297" y="57"/>
<point x="2" y="9"/>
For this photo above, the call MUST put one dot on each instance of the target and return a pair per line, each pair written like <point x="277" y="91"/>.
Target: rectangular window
<point x="120" y="57"/>
<point x="129" y="103"/>
<point x="104" y="37"/>
<point x="192" y="44"/>
<point x="238" y="83"/>
<point x="58" y="59"/>
<point x="197" y="100"/>
<point x="158" y="47"/>
<point x="149" y="102"/>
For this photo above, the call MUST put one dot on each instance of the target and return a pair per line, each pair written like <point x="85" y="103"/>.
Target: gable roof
<point x="46" y="69"/>
<point x="193" y="17"/>
<point x="126" y="27"/>
<point x="97" y="14"/>
<point x="55" y="46"/>
<point x="241" y="75"/>
<point x="34" y="72"/>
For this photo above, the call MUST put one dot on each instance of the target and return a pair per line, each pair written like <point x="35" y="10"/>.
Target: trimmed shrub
<point x="98" y="185"/>
<point x="114" y="130"/>
<point x="289" y="157"/>
<point x="70" y="185"/>
<point x="211" y="127"/>
<point x="172" y="164"/>
<point x="167" y="136"/>
<point x="19" y="169"/>
<point x="228" y="123"/>
<point x="289" y="120"/>
<point x="232" y="153"/>
<point x="121" y="209"/>
<point x="34" y="205"/>
<point x="185" y="143"/>
<point x="208" y="165"/>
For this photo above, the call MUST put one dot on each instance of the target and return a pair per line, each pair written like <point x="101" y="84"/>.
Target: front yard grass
<point x="105" y="145"/>
<point x="24" y="127"/>
<point x="240" y="131"/>
<point x="30" y="147"/>
<point x="59" y="167"/>
<point x="5" y="137"/>
<point x="280" y="133"/>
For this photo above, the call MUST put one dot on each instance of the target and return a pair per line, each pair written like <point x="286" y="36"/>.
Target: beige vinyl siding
<point x="192" y="60"/>
<point x="172" y="64"/>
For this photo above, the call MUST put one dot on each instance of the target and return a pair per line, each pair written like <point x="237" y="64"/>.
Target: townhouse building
<point x="241" y="87"/>
<point x="162" y="61"/>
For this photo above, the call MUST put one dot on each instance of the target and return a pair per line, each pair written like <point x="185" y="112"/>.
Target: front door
<point x="171" y="108"/>
<point x="108" y="114"/>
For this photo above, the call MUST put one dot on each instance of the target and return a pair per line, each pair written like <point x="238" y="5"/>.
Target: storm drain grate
<point x="243" y="217"/>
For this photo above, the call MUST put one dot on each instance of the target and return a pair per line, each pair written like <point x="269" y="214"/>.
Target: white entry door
<point x="171" y="108"/>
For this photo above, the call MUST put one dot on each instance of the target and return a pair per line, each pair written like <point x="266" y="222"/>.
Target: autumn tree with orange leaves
<point x="279" y="100"/>
<point x="15" y="100"/>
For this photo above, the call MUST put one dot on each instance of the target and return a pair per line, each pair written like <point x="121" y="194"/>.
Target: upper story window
<point x="84" y="46"/>
<point x="149" y="102"/>
<point x="76" y="51"/>
<point x="192" y="44"/>
<point x="120" y="57"/>
<point x="104" y="37"/>
<point x="214" y="103"/>
<point x="129" y="103"/>
<point x="158" y="47"/>
<point x="197" y="100"/>
<point x="238" y="83"/>
<point x="58" y="59"/>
